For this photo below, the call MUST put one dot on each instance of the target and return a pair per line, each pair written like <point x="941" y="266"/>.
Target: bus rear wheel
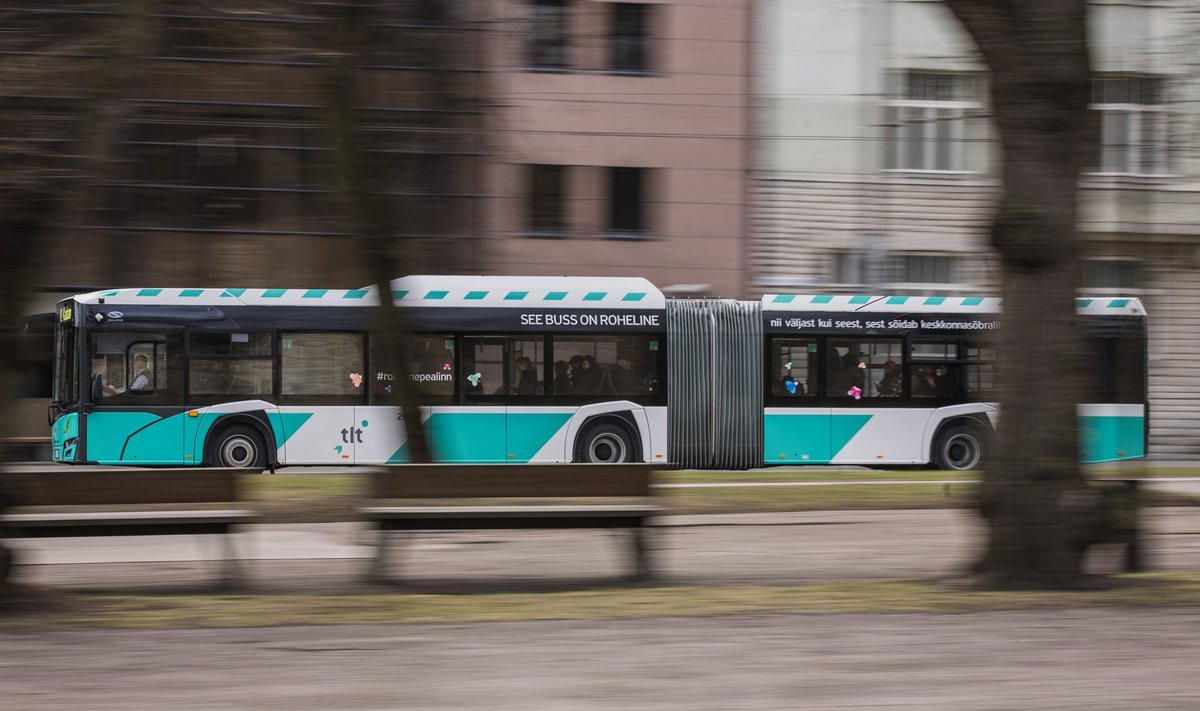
<point x="958" y="448"/>
<point x="604" y="443"/>
<point x="238" y="447"/>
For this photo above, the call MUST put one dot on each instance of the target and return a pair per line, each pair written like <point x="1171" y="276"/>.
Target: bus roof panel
<point x="418" y="291"/>
<point x="845" y="303"/>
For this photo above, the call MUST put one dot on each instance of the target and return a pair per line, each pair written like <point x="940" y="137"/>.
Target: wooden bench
<point x="119" y="502"/>
<point x="1114" y="518"/>
<point x="423" y="497"/>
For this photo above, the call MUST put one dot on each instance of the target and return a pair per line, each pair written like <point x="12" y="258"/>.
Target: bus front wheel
<point x="604" y="443"/>
<point x="239" y="447"/>
<point x="958" y="448"/>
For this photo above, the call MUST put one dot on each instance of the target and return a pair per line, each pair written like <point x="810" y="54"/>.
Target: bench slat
<point x="107" y="487"/>
<point x="453" y="481"/>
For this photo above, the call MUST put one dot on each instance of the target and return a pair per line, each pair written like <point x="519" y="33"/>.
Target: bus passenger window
<point x="795" y="367"/>
<point x="863" y="369"/>
<point x="322" y="367"/>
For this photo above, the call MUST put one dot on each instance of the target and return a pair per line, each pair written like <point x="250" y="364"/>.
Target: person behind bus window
<point x="140" y="379"/>
<point x="890" y="385"/>
<point x="526" y="376"/>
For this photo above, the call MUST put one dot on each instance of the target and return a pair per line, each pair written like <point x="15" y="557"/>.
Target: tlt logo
<point x="350" y="435"/>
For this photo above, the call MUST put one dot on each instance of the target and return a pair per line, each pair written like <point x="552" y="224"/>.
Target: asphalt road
<point x="1092" y="660"/>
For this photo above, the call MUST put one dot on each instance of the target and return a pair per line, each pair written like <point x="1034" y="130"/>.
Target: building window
<point x="546" y="201"/>
<point x="848" y="268"/>
<point x="935" y="121"/>
<point x="1123" y="274"/>
<point x="1133" y="125"/>
<point x="548" y="35"/>
<point x="926" y="269"/>
<point x="627" y="213"/>
<point x="630" y="24"/>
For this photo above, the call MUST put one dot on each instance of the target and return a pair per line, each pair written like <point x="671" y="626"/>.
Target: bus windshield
<point x="66" y="370"/>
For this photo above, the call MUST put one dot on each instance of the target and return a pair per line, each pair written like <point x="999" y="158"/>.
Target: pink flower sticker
<point x="356" y="378"/>
<point x="855" y="392"/>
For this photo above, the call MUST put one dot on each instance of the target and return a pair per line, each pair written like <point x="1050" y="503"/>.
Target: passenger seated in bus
<point x="585" y="379"/>
<point x="849" y="375"/>
<point x="140" y="379"/>
<point x="526" y="376"/>
<point x="947" y="383"/>
<point x="622" y="377"/>
<point x="890" y="385"/>
<point x="562" y="378"/>
<point x="924" y="382"/>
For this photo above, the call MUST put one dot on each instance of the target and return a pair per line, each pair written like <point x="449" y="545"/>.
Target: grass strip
<point x="95" y="610"/>
<point x="318" y="498"/>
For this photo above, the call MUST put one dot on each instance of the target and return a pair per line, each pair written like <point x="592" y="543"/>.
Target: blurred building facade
<point x="876" y="167"/>
<point x="223" y="166"/>
<point x="516" y="136"/>
<point x="623" y="141"/>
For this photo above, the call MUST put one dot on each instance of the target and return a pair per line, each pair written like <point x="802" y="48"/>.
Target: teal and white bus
<point x="553" y="369"/>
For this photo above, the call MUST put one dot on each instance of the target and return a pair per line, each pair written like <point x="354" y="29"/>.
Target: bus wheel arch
<point x="960" y="444"/>
<point x="609" y="439"/>
<point x="240" y="443"/>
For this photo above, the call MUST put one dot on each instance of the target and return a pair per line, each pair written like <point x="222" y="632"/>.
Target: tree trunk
<point x="1041" y="85"/>
<point x="357" y="176"/>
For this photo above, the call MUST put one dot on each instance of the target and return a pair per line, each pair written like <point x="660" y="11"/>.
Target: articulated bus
<point x="555" y="369"/>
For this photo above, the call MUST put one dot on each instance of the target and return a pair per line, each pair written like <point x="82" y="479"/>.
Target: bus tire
<point x="604" y="443"/>
<point x="238" y="447"/>
<point x="959" y="448"/>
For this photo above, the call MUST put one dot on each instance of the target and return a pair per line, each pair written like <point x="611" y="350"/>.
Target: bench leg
<point x="377" y="570"/>
<point x="641" y="553"/>
<point x="231" y="574"/>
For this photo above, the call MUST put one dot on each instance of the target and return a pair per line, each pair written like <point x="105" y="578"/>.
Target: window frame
<point x="931" y="101"/>
<point x="191" y="356"/>
<point x="283" y="398"/>
<point x="560" y="229"/>
<point x="1130" y="162"/>
<point x="154" y="396"/>
<point x="550" y="22"/>
<point x="640" y="230"/>
<point x="637" y="15"/>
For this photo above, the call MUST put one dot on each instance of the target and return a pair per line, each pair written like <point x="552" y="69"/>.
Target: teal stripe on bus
<point x="556" y="296"/>
<point x="784" y="298"/>
<point x="859" y="299"/>
<point x="897" y="300"/>
<point x="476" y="295"/>
<point x="356" y="293"/>
<point x="935" y="300"/>
<point x="435" y="295"/>
<point x="823" y="299"/>
<point x="315" y="293"/>
<point x="149" y="292"/>
<point x="1118" y="303"/>
<point x="399" y="295"/>
<point x="595" y="296"/>
<point x="634" y="296"/>
<point x="235" y="293"/>
<point x="191" y="292"/>
<point x="516" y="295"/>
<point x="273" y="293"/>
<point x="972" y="301"/>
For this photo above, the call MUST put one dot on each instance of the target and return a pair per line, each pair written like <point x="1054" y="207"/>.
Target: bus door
<point x="795" y="429"/>
<point x="136" y="393"/>
<point x="477" y="430"/>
